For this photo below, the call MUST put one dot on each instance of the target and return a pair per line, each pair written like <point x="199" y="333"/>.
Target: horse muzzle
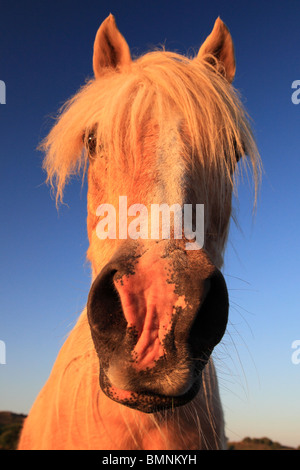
<point x="156" y="312"/>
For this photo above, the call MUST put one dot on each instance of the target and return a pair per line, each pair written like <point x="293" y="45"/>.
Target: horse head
<point x="161" y="130"/>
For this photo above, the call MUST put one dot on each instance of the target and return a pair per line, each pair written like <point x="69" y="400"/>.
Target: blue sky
<point x="46" y="55"/>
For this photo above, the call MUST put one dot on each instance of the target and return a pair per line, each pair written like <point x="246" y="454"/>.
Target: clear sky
<point x="46" y="55"/>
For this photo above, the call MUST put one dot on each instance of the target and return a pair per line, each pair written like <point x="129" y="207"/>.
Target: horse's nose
<point x="157" y="313"/>
<point x="211" y="315"/>
<point x="135" y="307"/>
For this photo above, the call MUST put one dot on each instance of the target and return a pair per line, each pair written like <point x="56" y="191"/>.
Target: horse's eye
<point x="91" y="143"/>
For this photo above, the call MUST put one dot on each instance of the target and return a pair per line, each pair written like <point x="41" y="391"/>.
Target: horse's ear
<point x="219" y="44"/>
<point x="110" y="48"/>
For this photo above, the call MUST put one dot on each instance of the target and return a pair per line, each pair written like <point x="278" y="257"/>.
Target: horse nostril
<point x="211" y="318"/>
<point x="104" y="311"/>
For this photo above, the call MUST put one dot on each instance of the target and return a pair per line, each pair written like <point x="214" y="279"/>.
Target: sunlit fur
<point x="162" y="87"/>
<point x="141" y="102"/>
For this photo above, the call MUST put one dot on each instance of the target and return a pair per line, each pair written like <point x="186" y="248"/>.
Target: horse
<point x="136" y="371"/>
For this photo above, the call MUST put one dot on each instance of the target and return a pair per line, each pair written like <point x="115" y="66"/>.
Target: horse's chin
<point x="144" y="401"/>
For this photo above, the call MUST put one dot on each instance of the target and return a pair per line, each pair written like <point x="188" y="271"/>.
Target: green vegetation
<point x="10" y="428"/>
<point x="263" y="443"/>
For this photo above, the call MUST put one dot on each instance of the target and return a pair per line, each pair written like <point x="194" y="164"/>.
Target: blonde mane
<point x="162" y="86"/>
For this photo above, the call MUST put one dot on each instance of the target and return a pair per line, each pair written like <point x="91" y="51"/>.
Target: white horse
<point x="136" y="370"/>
